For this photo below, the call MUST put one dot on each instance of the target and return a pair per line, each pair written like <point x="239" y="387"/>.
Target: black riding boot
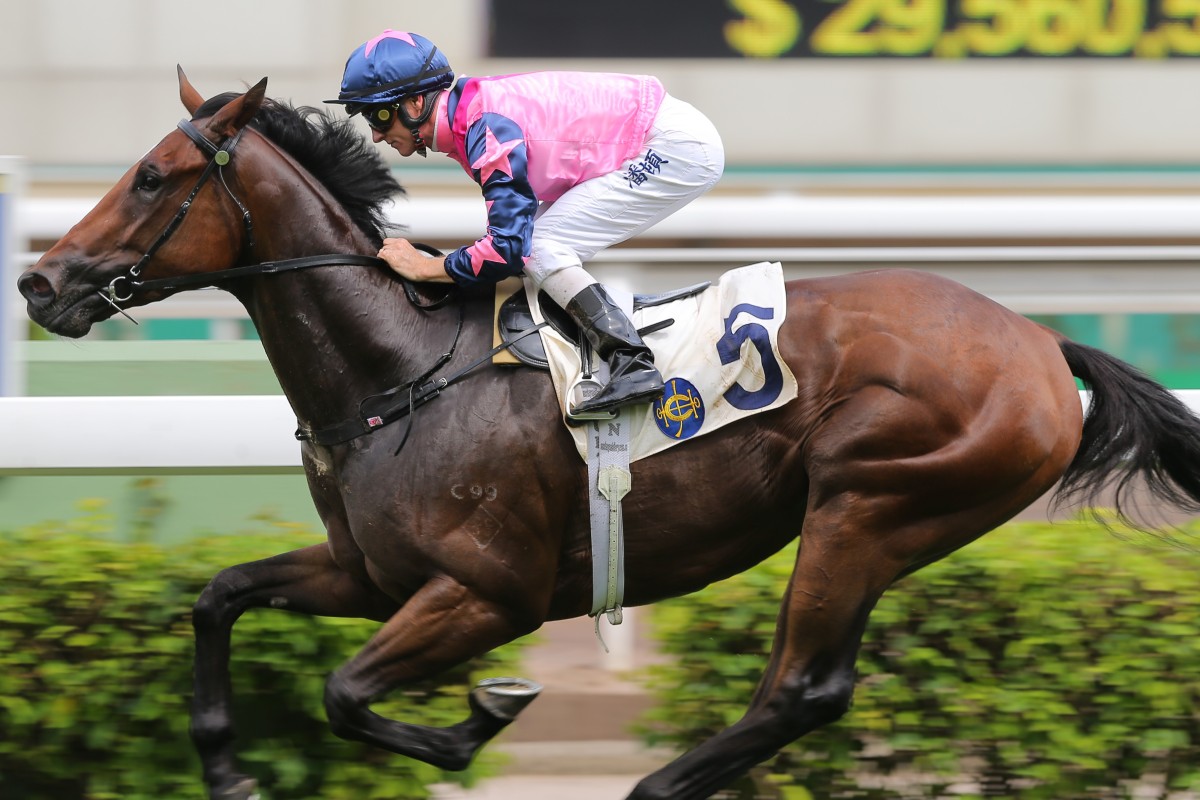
<point x="632" y="376"/>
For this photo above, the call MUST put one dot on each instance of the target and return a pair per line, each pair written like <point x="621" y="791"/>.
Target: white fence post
<point x="12" y="307"/>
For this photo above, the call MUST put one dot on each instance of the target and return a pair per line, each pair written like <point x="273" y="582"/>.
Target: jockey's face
<point x="398" y="136"/>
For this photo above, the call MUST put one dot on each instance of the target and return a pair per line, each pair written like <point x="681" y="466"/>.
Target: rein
<point x="374" y="411"/>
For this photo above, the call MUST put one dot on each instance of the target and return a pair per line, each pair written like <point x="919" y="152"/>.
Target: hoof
<point x="243" y="789"/>
<point x="505" y="698"/>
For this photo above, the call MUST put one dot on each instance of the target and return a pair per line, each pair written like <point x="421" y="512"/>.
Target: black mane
<point x="334" y="152"/>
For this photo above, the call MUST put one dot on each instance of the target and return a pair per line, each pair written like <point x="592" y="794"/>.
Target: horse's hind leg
<point x="307" y="581"/>
<point x="810" y="680"/>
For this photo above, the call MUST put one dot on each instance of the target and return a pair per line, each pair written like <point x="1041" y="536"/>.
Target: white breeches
<point x="682" y="159"/>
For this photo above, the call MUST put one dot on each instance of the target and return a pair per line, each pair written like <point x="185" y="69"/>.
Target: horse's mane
<point x="332" y="150"/>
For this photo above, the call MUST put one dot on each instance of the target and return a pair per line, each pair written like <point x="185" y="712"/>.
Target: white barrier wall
<point x="797" y="216"/>
<point x="46" y="435"/>
<point x="119" y="434"/>
<point x="85" y="435"/>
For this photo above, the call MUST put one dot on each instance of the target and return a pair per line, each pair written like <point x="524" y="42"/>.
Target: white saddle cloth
<point x="720" y="360"/>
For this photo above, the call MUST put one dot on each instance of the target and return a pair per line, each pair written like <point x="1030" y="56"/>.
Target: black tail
<point x="1135" y="432"/>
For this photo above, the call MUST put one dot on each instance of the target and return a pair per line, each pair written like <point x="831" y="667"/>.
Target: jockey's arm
<point x="501" y="169"/>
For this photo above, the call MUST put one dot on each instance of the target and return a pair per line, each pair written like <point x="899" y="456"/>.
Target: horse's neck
<point x="334" y="335"/>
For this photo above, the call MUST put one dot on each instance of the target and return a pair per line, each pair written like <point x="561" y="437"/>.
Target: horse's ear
<point x="187" y="93"/>
<point x="239" y="111"/>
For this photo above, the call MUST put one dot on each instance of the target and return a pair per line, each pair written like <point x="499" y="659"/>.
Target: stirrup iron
<point x="584" y="388"/>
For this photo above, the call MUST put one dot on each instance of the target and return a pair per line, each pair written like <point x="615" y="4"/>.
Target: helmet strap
<point x="422" y="149"/>
<point x="414" y="123"/>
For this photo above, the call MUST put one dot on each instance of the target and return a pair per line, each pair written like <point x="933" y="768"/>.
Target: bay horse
<point x="927" y="416"/>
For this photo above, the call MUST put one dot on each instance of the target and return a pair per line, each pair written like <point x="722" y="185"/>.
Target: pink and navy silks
<point x="529" y="138"/>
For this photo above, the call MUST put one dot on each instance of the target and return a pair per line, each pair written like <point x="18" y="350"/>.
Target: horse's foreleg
<point x="307" y="581"/>
<point x="441" y="626"/>
<point x="811" y="675"/>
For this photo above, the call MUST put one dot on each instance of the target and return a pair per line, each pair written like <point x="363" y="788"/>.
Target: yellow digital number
<point x="911" y="27"/>
<point x="843" y="32"/>
<point x="1002" y="27"/>
<point x="1002" y="34"/>
<point x="770" y="28"/>
<point x="1055" y="27"/>
<point x="880" y="27"/>
<point x="1113" y="26"/>
<point x="1182" y="36"/>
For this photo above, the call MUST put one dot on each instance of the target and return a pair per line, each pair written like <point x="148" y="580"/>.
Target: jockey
<point x="569" y="163"/>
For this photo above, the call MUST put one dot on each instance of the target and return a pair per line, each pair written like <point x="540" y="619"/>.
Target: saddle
<point x="513" y="317"/>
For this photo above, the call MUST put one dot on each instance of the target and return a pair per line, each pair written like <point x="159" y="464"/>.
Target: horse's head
<point x="171" y="214"/>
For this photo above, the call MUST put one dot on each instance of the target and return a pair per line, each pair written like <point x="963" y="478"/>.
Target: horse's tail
<point x="1135" y="432"/>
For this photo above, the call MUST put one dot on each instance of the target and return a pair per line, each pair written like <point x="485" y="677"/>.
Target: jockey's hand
<point x="406" y="260"/>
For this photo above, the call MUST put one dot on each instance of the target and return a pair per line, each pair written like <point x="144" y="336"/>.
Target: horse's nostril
<point x="35" y="287"/>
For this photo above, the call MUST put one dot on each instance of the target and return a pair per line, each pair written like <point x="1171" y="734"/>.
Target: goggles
<point x="382" y="117"/>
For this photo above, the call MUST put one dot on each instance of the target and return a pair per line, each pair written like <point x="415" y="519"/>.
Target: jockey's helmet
<point x="390" y="67"/>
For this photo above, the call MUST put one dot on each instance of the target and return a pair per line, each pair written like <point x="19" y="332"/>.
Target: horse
<point x="927" y="415"/>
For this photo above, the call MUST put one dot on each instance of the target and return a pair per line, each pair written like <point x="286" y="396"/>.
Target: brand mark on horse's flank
<point x="461" y="491"/>
<point x="680" y="411"/>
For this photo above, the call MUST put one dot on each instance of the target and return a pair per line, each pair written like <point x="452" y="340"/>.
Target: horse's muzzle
<point x="60" y="304"/>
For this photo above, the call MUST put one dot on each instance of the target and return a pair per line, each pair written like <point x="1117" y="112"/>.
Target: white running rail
<point x="197" y="434"/>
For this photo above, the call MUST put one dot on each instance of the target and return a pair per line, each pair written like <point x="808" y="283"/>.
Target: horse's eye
<point x="147" y="182"/>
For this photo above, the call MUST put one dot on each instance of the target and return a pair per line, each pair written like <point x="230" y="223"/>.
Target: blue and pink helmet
<point x="390" y="67"/>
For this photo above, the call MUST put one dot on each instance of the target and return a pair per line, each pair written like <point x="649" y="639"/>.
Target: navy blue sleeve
<point x="496" y="151"/>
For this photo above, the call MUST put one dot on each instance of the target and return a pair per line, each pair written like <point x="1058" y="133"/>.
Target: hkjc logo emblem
<point x="679" y="413"/>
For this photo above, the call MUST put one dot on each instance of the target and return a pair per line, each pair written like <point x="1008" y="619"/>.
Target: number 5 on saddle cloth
<point x="714" y="343"/>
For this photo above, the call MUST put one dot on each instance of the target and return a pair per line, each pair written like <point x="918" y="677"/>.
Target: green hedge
<point x="95" y="676"/>
<point x="1044" y="661"/>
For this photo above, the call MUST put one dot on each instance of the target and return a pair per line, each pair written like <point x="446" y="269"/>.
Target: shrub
<point x="1043" y="662"/>
<point x="95" y="677"/>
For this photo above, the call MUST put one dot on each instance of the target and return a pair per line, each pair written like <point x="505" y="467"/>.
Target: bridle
<point x="375" y="411"/>
<point x="220" y="156"/>
<point x="123" y="287"/>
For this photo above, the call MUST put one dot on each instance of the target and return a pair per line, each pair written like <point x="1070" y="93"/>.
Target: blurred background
<point x="1044" y="152"/>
